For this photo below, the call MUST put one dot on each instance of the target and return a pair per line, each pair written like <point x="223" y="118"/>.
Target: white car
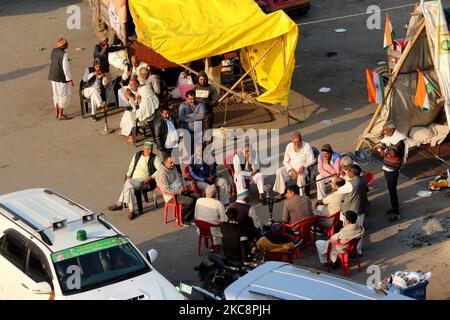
<point x="54" y="248"/>
<point x="282" y="281"/>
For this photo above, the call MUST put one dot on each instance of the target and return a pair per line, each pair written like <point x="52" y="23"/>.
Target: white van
<point x="54" y="248"/>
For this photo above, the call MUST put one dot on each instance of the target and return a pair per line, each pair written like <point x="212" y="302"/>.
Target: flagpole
<point x="391" y="84"/>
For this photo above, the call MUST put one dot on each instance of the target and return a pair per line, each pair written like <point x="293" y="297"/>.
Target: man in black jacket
<point x="93" y="86"/>
<point x="236" y="247"/>
<point x="166" y="135"/>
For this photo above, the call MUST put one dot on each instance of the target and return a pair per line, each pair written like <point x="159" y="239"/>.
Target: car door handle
<point x="25" y="286"/>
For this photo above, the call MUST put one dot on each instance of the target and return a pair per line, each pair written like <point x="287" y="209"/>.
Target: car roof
<point x="279" y="280"/>
<point x="39" y="208"/>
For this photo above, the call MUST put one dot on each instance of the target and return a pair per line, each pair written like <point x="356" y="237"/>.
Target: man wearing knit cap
<point x="141" y="172"/>
<point x="60" y="77"/>
<point x="207" y="175"/>
<point x="246" y="213"/>
<point x="211" y="210"/>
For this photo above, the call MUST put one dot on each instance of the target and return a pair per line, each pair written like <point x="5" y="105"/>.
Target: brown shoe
<point x="114" y="207"/>
<point x="131" y="215"/>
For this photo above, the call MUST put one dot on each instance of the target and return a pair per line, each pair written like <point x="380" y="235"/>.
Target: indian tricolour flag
<point x="424" y="88"/>
<point x="389" y="34"/>
<point x="375" y="86"/>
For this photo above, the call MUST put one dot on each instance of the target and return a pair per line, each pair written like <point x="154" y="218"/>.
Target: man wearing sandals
<point x="351" y="230"/>
<point x="298" y="157"/>
<point x="142" y="171"/>
<point x="60" y="77"/>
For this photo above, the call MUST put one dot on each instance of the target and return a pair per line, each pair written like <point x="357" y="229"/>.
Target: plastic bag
<point x="404" y="279"/>
<point x="118" y="59"/>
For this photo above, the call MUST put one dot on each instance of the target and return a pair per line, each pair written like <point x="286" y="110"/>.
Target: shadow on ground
<point x="24" y="7"/>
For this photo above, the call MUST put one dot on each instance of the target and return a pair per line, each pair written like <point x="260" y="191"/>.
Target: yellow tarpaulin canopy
<point x="188" y="30"/>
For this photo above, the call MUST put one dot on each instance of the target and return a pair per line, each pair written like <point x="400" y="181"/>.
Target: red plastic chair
<point x="176" y="208"/>
<point x="228" y="161"/>
<point x="229" y="164"/>
<point x="370" y="178"/>
<point x="303" y="228"/>
<point x="205" y="233"/>
<point x="329" y="224"/>
<point x="195" y="187"/>
<point x="351" y="252"/>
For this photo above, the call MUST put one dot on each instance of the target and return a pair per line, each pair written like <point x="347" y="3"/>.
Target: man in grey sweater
<point x="170" y="182"/>
<point x="355" y="196"/>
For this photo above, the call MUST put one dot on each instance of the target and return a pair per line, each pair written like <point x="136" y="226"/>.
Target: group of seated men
<point x="349" y="190"/>
<point x="141" y="91"/>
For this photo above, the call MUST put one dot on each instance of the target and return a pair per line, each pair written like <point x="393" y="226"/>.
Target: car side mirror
<point x="152" y="254"/>
<point x="41" y="288"/>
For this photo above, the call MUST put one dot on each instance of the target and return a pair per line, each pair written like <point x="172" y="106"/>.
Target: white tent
<point x="428" y="50"/>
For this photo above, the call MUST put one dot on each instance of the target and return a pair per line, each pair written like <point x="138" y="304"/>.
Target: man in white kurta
<point x="133" y="68"/>
<point x="148" y="103"/>
<point x="62" y="91"/>
<point x="350" y="231"/>
<point x="128" y="94"/>
<point x="145" y="104"/>
<point x="94" y="89"/>
<point x="211" y="210"/>
<point x="247" y="168"/>
<point x="298" y="157"/>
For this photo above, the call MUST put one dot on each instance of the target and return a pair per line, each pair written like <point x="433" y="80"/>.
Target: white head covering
<point x="210" y="191"/>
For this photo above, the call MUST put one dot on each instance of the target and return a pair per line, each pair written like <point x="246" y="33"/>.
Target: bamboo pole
<point x="249" y="70"/>
<point x="229" y="90"/>
<point x="391" y="82"/>
<point x="253" y="74"/>
<point x="283" y="54"/>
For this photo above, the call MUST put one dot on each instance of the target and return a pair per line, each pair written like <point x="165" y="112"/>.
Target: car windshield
<point x="97" y="264"/>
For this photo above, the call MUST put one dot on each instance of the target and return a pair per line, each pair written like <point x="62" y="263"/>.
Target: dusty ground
<point x="72" y="158"/>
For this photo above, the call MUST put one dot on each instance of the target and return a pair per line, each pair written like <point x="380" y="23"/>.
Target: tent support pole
<point x="391" y="83"/>
<point x="249" y="70"/>
<point x="253" y="74"/>
<point x="283" y="54"/>
<point x="231" y="91"/>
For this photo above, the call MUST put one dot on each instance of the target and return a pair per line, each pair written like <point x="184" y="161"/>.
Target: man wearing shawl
<point x="394" y="153"/>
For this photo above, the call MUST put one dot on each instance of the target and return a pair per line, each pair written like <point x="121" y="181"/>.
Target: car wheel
<point x="211" y="284"/>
